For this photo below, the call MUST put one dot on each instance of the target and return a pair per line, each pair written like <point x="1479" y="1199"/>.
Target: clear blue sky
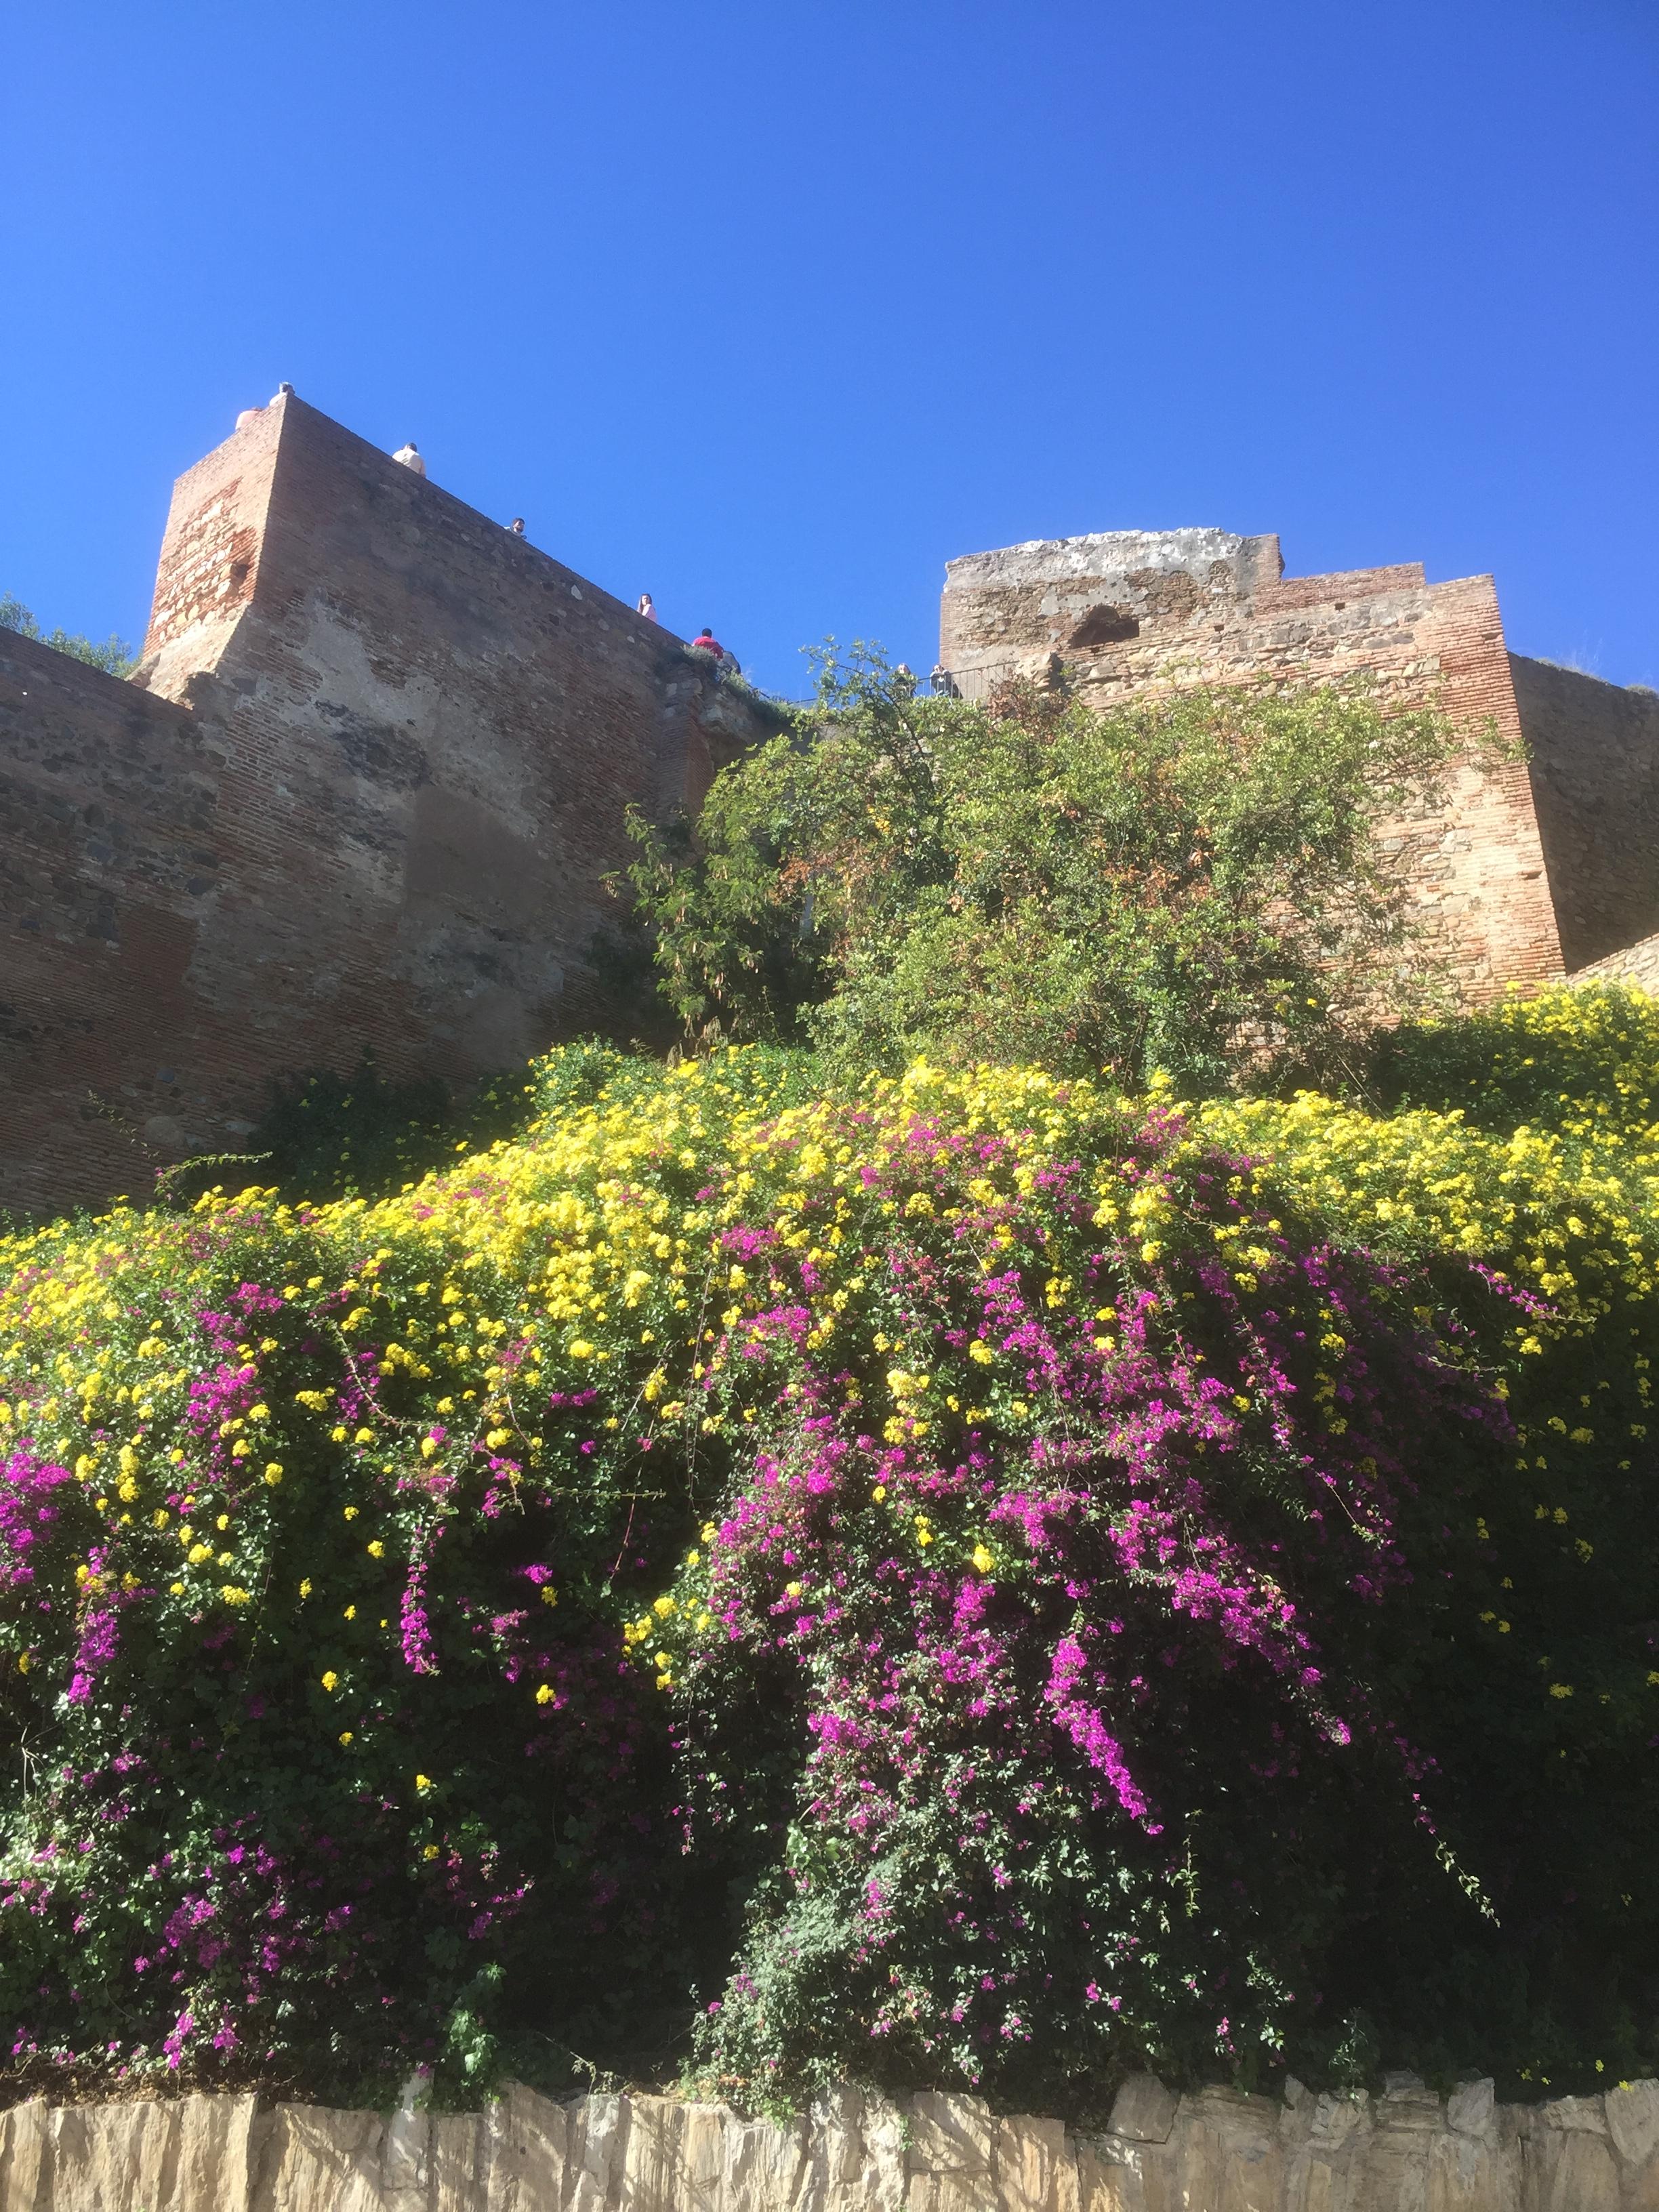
<point x="773" y="308"/>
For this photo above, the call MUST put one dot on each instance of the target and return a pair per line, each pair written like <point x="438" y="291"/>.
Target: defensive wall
<point x="361" y="795"/>
<point x="1528" y="869"/>
<point x="373" y="767"/>
<point x="1407" y="2150"/>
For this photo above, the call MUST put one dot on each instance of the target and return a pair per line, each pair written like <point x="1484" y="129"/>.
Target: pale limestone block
<point x="950" y="2153"/>
<point x="856" y="2153"/>
<point x="1573" y="2170"/>
<point x="523" y="2142"/>
<point x="1466" y="2174"/>
<point x="1035" y="2166"/>
<point x="1230" y="2151"/>
<point x="26" y="2157"/>
<point x="1470" y="2110"/>
<point x="598" y="2138"/>
<point x="1584" y="2114"/>
<point x="1143" y="2110"/>
<point x="1116" y="2175"/>
<point x="501" y="2180"/>
<point x="950" y="2192"/>
<point x="1633" y="2112"/>
<point x="111" y="2158"/>
<point x="1395" y="2174"/>
<point x="1324" y="2171"/>
<point x="219" y="2138"/>
<point x="1295" y="2124"/>
<point x="700" y="2154"/>
<point x="1410" y="2106"/>
<point x="767" y="2168"/>
<point x="316" y="2158"/>
<point x="646" y="2161"/>
<point x="404" y="2154"/>
<point x="950" y="2135"/>
<point x="1339" y="2117"/>
<point x="455" y="2163"/>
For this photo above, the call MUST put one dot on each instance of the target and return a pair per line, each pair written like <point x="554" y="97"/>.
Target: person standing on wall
<point x="647" y="607"/>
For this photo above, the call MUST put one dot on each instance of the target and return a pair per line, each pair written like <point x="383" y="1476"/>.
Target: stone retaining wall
<point x="1637" y="963"/>
<point x="1408" y="2150"/>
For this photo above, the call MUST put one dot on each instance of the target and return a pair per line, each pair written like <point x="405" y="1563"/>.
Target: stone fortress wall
<point x="361" y="793"/>
<point x="1528" y="869"/>
<point x="1407" y="2150"/>
<point x="367" y="783"/>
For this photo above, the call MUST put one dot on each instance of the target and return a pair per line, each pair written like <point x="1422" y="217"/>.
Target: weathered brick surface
<point x="1595" y="750"/>
<point x="1130" y="614"/>
<point x="362" y="794"/>
<point x="110" y="861"/>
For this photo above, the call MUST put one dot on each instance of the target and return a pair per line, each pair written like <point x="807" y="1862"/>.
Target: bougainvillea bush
<point x="972" y="1579"/>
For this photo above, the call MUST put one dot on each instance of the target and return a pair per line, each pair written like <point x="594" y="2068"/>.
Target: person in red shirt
<point x="706" y="642"/>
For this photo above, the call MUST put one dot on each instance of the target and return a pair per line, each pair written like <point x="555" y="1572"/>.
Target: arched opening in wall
<point x="1102" y="626"/>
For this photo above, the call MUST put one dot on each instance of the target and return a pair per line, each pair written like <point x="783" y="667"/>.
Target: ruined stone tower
<point x="1530" y="867"/>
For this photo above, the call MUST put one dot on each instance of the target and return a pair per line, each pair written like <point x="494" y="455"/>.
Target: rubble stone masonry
<point x="1525" y="869"/>
<point x="1407" y="2150"/>
<point x="1594" y="749"/>
<point x="367" y="782"/>
<point x="362" y="794"/>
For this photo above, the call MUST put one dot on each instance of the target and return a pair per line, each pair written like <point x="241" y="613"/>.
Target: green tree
<point x="1191" y="885"/>
<point x="114" y="656"/>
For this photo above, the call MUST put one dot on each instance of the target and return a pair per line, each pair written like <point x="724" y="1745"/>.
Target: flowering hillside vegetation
<point x="972" y="1579"/>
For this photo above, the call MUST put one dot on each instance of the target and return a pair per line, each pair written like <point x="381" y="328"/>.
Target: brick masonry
<point x="362" y="794"/>
<point x="366" y="787"/>
<point x="1526" y="869"/>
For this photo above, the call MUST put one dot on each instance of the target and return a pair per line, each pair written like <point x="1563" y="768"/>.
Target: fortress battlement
<point x="366" y="787"/>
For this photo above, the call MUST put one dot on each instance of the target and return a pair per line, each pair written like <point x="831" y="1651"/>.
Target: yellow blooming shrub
<point x="1108" y="1582"/>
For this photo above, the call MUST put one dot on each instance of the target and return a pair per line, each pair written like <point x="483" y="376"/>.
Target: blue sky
<point x="773" y="308"/>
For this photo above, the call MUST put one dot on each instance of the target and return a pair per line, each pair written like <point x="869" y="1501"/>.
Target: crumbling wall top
<point x="1108" y="554"/>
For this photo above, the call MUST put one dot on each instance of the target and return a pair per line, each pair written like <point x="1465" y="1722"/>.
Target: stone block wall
<point x="1135" y="614"/>
<point x="1594" y="772"/>
<point x="1407" y="2150"/>
<point x="1632" y="963"/>
<point x="362" y="794"/>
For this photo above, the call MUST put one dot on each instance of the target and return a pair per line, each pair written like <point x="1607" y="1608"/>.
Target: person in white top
<point x="647" y="607"/>
<point x="410" y="458"/>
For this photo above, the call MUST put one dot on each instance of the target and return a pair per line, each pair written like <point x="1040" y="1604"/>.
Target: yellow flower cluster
<point x="587" y="1254"/>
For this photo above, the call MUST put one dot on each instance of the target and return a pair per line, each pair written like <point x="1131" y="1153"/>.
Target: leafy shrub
<point x="1583" y="1062"/>
<point x="1177" y="885"/>
<point x="331" y="1135"/>
<point x="114" y="656"/>
<point x="976" y="1578"/>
